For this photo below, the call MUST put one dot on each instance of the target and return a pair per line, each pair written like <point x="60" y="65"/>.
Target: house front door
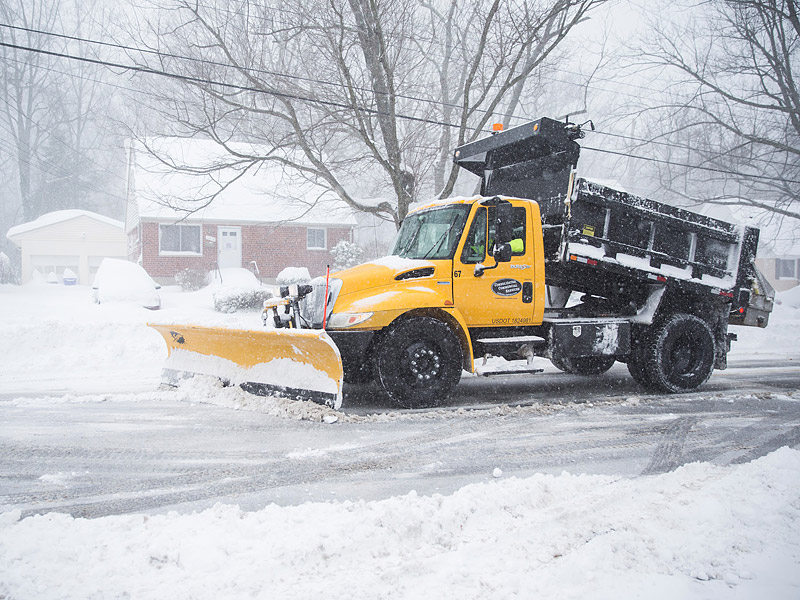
<point x="229" y="247"/>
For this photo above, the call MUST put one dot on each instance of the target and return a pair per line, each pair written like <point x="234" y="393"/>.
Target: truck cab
<point x="456" y="266"/>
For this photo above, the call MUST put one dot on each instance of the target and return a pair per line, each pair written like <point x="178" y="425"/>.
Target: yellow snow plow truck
<point x="543" y="263"/>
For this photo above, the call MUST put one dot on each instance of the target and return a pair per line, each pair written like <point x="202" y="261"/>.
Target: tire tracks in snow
<point x="669" y="452"/>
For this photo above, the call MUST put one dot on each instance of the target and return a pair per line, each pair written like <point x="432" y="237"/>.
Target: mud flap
<point x="300" y="364"/>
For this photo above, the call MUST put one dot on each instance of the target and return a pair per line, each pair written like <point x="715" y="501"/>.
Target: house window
<point x="785" y="269"/>
<point x="179" y="239"/>
<point x="316" y="239"/>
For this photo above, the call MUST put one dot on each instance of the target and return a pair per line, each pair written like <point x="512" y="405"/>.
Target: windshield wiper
<point x="404" y="250"/>
<point x="441" y="237"/>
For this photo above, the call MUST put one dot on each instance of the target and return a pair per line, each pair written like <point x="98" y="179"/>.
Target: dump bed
<point x="612" y="237"/>
<point x="610" y="243"/>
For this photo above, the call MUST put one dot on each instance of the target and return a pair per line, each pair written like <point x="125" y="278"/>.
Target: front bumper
<point x="354" y="347"/>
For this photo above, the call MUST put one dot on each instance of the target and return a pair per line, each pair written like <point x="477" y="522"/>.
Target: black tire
<point x="679" y="355"/>
<point x="584" y="365"/>
<point x="637" y="370"/>
<point x="636" y="366"/>
<point x="418" y="362"/>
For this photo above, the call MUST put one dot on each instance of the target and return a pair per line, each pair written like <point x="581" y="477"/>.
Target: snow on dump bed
<point x="701" y="531"/>
<point x="643" y="264"/>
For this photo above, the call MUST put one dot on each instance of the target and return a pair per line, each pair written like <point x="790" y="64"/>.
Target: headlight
<point x="342" y="320"/>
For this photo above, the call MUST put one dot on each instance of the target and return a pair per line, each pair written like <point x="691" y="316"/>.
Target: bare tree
<point x="26" y="91"/>
<point x="51" y="111"/>
<point x="731" y="125"/>
<point x="365" y="97"/>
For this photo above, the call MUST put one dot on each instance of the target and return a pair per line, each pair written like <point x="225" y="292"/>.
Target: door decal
<point x="506" y="287"/>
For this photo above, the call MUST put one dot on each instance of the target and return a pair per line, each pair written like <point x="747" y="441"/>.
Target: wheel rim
<point x="424" y="363"/>
<point x="681" y="356"/>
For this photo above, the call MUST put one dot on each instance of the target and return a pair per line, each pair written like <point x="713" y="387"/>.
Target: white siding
<point x="80" y="237"/>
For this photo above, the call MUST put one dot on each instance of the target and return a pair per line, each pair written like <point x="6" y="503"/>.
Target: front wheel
<point x="418" y="362"/>
<point x="679" y="355"/>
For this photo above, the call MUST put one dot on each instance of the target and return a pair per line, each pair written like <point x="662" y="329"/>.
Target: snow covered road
<point x="99" y="455"/>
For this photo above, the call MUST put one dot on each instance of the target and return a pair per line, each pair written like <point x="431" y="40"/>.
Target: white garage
<point x="71" y="241"/>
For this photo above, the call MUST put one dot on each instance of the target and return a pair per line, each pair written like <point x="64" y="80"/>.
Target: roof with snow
<point x="198" y="180"/>
<point x="60" y="216"/>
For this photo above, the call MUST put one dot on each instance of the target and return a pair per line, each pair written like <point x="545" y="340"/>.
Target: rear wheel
<point x="585" y="365"/>
<point x="418" y="362"/>
<point x="679" y="354"/>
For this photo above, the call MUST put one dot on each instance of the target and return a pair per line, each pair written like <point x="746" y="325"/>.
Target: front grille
<point x="312" y="306"/>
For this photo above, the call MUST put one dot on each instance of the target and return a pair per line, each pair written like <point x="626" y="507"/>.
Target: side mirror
<point x="503" y="225"/>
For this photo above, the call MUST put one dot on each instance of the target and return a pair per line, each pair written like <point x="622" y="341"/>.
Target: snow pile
<point x="59" y="338"/>
<point x="236" y="289"/>
<point x="790" y="298"/>
<point x="776" y="341"/>
<point x="698" y="532"/>
<point x="208" y="390"/>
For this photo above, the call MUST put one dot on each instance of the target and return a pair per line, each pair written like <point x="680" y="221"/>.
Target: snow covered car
<point x="123" y="281"/>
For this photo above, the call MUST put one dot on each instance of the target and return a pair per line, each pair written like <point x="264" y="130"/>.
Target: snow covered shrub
<point x="190" y="280"/>
<point x="229" y="300"/>
<point x="345" y="254"/>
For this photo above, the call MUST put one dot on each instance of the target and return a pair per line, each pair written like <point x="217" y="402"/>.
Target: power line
<point x="675" y="145"/>
<point x="415" y="37"/>
<point x="203" y="61"/>
<point x="80" y="154"/>
<point x="197" y="80"/>
<point x="599" y="132"/>
<point x="687" y="166"/>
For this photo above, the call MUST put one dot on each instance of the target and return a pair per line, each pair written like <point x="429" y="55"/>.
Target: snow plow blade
<point x="299" y="364"/>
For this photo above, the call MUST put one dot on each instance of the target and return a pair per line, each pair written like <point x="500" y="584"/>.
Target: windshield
<point x="431" y="234"/>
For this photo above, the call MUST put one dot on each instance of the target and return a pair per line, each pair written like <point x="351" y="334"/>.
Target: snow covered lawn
<point x="702" y="531"/>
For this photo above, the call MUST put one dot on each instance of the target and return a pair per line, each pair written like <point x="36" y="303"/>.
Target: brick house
<point x="189" y="213"/>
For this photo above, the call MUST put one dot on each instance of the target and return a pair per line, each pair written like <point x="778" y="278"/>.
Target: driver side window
<point x="475" y="246"/>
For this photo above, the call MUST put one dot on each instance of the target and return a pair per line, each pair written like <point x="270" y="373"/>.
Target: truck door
<point x="501" y="296"/>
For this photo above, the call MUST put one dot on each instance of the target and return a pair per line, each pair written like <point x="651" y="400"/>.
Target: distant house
<point x="780" y="267"/>
<point x="74" y="241"/>
<point x="187" y="210"/>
